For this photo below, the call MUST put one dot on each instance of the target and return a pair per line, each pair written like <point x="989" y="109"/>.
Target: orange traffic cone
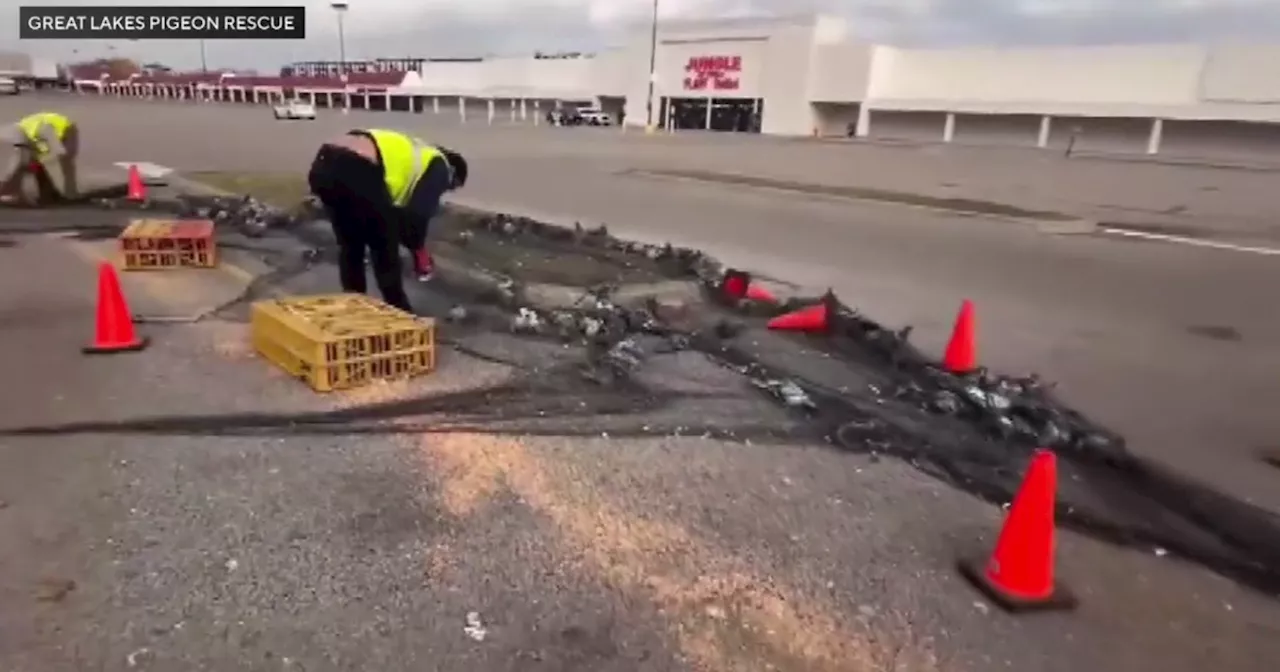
<point x="137" y="190"/>
<point x="114" y="331"/>
<point x="735" y="284"/>
<point x="760" y="294"/>
<point x="1019" y="574"/>
<point x="962" y="350"/>
<point x="738" y="285"/>
<point x="813" y="318"/>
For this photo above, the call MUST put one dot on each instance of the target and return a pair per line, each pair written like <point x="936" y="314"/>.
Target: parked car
<point x="592" y="116"/>
<point x="295" y="109"/>
<point x="8" y="86"/>
<point x="565" y="116"/>
<point x="579" y="116"/>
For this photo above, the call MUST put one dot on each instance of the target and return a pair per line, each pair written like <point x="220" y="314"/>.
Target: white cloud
<point x="474" y="27"/>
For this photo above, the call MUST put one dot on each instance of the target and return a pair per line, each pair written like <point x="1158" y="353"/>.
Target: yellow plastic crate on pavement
<point x="341" y="341"/>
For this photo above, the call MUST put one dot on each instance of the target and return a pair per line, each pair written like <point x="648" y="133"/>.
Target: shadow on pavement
<point x="89" y="197"/>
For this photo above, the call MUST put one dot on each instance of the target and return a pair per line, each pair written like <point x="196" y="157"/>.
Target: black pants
<point x="47" y="192"/>
<point x="354" y="195"/>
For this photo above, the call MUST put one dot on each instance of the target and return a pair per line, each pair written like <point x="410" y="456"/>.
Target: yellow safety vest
<point x="404" y="161"/>
<point x="32" y="124"/>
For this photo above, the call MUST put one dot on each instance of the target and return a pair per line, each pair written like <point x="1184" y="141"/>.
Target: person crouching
<point x="37" y="138"/>
<point x="380" y="190"/>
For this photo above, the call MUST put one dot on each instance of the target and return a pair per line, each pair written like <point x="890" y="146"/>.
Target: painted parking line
<point x="1193" y="242"/>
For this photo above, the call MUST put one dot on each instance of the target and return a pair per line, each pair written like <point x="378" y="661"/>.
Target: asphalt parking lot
<point x="1173" y="345"/>
<point x="1134" y="335"/>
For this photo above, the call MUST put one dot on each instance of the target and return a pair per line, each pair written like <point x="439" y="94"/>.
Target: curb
<point x="1069" y="225"/>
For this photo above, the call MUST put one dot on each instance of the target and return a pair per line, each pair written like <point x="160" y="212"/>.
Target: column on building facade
<point x="949" y="127"/>
<point x="1156" y="137"/>
<point x="1046" y="127"/>
<point x="863" y="126"/>
<point x="462" y="109"/>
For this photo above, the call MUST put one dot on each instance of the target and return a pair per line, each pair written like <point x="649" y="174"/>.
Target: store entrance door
<point x="733" y="115"/>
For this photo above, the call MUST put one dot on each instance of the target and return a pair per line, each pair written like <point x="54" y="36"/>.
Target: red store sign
<point x="716" y="73"/>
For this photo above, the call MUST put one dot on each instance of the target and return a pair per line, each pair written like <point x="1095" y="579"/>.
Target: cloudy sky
<point x="476" y="27"/>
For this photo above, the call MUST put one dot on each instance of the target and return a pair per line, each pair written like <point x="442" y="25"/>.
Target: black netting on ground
<point x="885" y="399"/>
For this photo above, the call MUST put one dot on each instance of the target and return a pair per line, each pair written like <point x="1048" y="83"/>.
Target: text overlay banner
<point x="163" y="23"/>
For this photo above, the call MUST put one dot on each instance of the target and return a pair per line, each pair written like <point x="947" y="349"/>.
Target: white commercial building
<point x="813" y="76"/>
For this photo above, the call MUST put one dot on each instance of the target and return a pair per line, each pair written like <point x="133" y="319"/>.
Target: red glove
<point x="423" y="264"/>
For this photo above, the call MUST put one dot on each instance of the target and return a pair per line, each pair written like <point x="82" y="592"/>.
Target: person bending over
<point x="380" y="189"/>
<point x="38" y="138"/>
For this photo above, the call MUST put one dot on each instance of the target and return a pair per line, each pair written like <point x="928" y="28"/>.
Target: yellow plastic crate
<point x="165" y="244"/>
<point x="341" y="341"/>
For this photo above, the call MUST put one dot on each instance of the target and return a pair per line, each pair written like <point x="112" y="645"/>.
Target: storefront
<point x="712" y="96"/>
<point x="719" y="75"/>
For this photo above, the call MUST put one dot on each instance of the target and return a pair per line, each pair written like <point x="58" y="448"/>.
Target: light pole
<point x="204" y="58"/>
<point x="340" y="8"/>
<point x="653" y="66"/>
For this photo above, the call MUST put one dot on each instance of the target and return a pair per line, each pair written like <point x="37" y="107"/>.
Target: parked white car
<point x="8" y="86"/>
<point x="592" y="116"/>
<point x="295" y="109"/>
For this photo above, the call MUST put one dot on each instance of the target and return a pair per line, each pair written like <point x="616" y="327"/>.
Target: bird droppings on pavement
<point x="138" y="657"/>
<point x="862" y="388"/>
<point x="474" y="627"/>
